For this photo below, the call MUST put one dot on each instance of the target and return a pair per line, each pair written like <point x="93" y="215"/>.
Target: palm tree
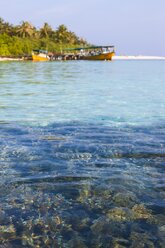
<point x="25" y="30"/>
<point x="1" y="22"/>
<point x="6" y="27"/>
<point x="62" y="28"/>
<point x="62" y="34"/>
<point x="46" y="31"/>
<point x="1" y="25"/>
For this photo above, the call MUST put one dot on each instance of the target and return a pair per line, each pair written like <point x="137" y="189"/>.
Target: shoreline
<point x="11" y="59"/>
<point x="116" y="57"/>
<point x="139" y="57"/>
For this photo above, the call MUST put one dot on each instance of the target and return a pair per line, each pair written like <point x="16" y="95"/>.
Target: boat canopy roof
<point x="40" y="51"/>
<point x="87" y="48"/>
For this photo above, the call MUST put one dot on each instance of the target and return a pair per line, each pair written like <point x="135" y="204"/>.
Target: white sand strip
<point x="10" y="59"/>
<point x="138" y="58"/>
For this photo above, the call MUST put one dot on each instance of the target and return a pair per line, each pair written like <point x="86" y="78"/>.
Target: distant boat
<point x="80" y="53"/>
<point x="40" y="55"/>
<point x="93" y="52"/>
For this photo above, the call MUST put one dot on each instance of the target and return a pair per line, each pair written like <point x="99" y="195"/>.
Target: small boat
<point x="93" y="52"/>
<point x="40" y="55"/>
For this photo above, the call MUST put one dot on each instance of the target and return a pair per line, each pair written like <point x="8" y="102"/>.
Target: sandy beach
<point x="10" y="59"/>
<point x="139" y="57"/>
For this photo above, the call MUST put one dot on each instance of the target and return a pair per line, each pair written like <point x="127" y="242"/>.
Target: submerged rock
<point x="119" y="214"/>
<point x="141" y="240"/>
<point x="95" y="199"/>
<point x="79" y="220"/>
<point x="101" y="225"/>
<point x="125" y="199"/>
<point x="120" y="243"/>
<point x="141" y="212"/>
<point x="85" y="193"/>
<point x="76" y="243"/>
<point x="7" y="232"/>
<point x="105" y="226"/>
<point x="101" y="241"/>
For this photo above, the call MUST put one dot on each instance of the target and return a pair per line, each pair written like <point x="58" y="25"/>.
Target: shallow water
<point x="82" y="149"/>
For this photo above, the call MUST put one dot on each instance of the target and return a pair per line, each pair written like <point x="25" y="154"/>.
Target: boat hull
<point x="39" y="58"/>
<point x="102" y="56"/>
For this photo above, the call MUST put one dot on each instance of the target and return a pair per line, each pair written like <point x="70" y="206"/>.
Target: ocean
<point x="82" y="154"/>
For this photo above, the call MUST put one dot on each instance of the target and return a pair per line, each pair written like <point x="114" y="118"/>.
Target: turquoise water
<point x="129" y="92"/>
<point x="82" y="154"/>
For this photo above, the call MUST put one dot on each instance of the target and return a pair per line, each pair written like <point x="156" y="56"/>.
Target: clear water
<point x="82" y="154"/>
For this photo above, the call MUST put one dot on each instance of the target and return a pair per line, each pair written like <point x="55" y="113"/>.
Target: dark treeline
<point x="20" y="40"/>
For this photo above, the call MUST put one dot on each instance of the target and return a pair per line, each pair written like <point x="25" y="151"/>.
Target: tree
<point x="61" y="34"/>
<point x="46" y="31"/>
<point x="19" y="40"/>
<point x="64" y="36"/>
<point x="1" y="26"/>
<point x="25" y="30"/>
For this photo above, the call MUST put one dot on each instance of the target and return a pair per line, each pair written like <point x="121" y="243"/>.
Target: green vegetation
<point x="20" y="40"/>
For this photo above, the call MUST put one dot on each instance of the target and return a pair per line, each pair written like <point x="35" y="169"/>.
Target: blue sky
<point x="135" y="27"/>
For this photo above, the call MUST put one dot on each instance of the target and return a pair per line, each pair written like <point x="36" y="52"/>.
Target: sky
<point x="135" y="27"/>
